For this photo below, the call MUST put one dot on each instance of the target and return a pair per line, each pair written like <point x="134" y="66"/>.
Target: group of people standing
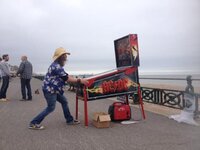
<point x="25" y="71"/>
<point x="53" y="86"/>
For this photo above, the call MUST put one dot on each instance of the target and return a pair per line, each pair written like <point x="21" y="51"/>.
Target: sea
<point x="172" y="81"/>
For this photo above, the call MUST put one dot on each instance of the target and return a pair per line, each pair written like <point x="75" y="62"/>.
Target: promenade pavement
<point x="157" y="132"/>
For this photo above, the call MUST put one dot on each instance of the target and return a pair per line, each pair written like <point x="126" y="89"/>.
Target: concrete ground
<point x="157" y="132"/>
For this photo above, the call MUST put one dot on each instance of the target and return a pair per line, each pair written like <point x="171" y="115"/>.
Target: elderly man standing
<point x="5" y="73"/>
<point x="25" y="70"/>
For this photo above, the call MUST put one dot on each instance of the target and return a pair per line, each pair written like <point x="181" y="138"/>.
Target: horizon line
<point x="141" y="72"/>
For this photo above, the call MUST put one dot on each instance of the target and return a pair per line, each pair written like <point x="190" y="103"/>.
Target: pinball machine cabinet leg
<point x="85" y="107"/>
<point x="76" y="107"/>
<point x="127" y="102"/>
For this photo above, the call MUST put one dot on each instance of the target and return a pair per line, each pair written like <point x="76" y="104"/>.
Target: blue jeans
<point x="51" y="104"/>
<point x="4" y="87"/>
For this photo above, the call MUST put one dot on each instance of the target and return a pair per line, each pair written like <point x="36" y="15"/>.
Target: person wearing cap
<point x="53" y="89"/>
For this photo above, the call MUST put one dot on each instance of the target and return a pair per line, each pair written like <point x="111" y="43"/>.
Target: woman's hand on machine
<point x="77" y="80"/>
<point x="83" y="81"/>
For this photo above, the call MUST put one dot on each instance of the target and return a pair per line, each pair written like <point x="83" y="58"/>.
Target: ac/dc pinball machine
<point x="123" y="80"/>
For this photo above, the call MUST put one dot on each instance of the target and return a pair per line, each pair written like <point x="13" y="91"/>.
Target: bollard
<point x="196" y="112"/>
<point x="189" y="88"/>
<point x="189" y="96"/>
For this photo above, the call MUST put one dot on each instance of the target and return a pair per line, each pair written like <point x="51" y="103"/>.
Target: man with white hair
<point x="25" y="70"/>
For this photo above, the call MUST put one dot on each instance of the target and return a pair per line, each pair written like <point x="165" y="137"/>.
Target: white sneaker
<point x="36" y="127"/>
<point x="3" y="100"/>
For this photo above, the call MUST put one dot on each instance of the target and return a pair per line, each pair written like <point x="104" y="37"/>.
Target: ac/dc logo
<point x="115" y="86"/>
<point x="107" y="87"/>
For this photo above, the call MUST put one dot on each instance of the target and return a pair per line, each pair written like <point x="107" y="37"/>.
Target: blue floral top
<point x="54" y="79"/>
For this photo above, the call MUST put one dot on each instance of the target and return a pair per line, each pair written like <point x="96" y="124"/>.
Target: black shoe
<point x="74" y="122"/>
<point x="23" y="99"/>
<point x="29" y="99"/>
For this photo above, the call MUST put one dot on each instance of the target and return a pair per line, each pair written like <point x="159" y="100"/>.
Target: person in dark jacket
<point x="25" y="70"/>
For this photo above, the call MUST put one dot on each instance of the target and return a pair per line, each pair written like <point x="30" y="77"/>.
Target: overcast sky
<point x="168" y="32"/>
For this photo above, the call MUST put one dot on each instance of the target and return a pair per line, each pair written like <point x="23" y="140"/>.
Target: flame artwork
<point x="111" y="86"/>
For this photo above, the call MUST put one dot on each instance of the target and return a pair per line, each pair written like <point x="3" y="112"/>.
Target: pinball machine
<point x="123" y="80"/>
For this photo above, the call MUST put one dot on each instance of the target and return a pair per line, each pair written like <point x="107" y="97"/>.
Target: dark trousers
<point x="25" y="84"/>
<point x="4" y="86"/>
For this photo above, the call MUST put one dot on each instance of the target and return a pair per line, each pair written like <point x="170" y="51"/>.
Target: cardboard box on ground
<point x="101" y="120"/>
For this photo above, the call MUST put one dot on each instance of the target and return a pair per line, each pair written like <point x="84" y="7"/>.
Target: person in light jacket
<point x="5" y="73"/>
<point x="0" y="70"/>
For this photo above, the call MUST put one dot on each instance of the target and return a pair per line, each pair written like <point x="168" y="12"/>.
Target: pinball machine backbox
<point x="126" y="51"/>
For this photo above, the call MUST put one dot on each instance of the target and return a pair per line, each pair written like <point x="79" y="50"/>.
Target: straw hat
<point x="59" y="52"/>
